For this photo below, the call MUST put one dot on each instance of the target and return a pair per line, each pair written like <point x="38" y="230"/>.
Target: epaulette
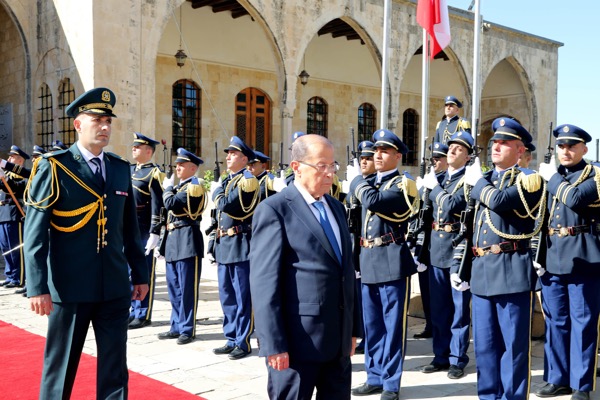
<point x="53" y="154"/>
<point x="464" y="123"/>
<point x="117" y="157"/>
<point x="269" y="179"/>
<point x="158" y="174"/>
<point x="196" y="190"/>
<point x="531" y="183"/>
<point x="409" y="186"/>
<point x="438" y="124"/>
<point x="597" y="177"/>
<point x="248" y="182"/>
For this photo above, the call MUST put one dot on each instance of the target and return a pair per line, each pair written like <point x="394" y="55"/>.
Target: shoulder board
<point x="116" y="157"/>
<point x="158" y="174"/>
<point x="531" y="183"/>
<point x="438" y="124"/>
<point x="408" y="175"/>
<point x="248" y="182"/>
<point x="464" y="123"/>
<point x="409" y="186"/>
<point x="195" y="189"/>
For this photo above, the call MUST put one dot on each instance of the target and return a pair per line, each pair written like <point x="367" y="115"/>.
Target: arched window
<point x="253" y="118"/>
<point x="366" y="121"/>
<point x="66" y="95"/>
<point x="45" y="118"/>
<point x="187" y="109"/>
<point x="410" y="137"/>
<point x="316" y="119"/>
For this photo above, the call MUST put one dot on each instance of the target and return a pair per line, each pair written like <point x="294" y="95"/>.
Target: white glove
<point x="151" y="243"/>
<point x="473" y="173"/>
<point x="352" y="171"/>
<point x="167" y="182"/>
<point x="430" y="180"/>
<point x="539" y="270"/>
<point x="213" y="186"/>
<point x="345" y="187"/>
<point x="279" y="182"/>
<point x="458" y="284"/>
<point x="157" y="254"/>
<point x="420" y="266"/>
<point x="2" y="163"/>
<point x="419" y="182"/>
<point x="547" y="171"/>
<point x="2" y="174"/>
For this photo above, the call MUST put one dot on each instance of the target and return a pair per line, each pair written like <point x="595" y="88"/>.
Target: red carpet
<point x="21" y="360"/>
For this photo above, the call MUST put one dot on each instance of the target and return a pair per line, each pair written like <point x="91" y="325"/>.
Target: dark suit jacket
<point x="303" y="299"/>
<point x="67" y="264"/>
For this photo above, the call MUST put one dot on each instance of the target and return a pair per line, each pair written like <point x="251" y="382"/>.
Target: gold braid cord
<point x="413" y="207"/>
<point x="87" y="210"/>
<point x="234" y="183"/>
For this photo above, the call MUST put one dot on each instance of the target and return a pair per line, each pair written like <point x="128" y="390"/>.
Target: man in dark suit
<point x="81" y="232"/>
<point x="302" y="281"/>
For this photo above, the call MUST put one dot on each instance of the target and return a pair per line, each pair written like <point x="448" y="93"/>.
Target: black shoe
<point x="3" y="283"/>
<point x="11" y="285"/>
<point x="21" y="291"/>
<point x="577" y="395"/>
<point x="238" y="353"/>
<point x="387" y="395"/>
<point x="184" y="339"/>
<point x="131" y="318"/>
<point x="428" y="369"/>
<point x="426" y="334"/>
<point x="168" y="335"/>
<point x="365" y="389"/>
<point x="455" y="372"/>
<point x="223" y="350"/>
<point x="139" y="323"/>
<point x="551" y="390"/>
<point x="24" y="294"/>
<point x="359" y="350"/>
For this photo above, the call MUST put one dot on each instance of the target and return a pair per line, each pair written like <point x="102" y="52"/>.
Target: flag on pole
<point x="432" y="15"/>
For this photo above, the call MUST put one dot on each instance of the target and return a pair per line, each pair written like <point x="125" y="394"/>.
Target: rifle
<point x="467" y="220"/>
<point x="282" y="166"/>
<point x="354" y="209"/>
<point x="597" y="150"/>
<point x="539" y="243"/>
<point x="214" y="224"/>
<point x="354" y="152"/>
<point x="217" y="169"/>
<point x="425" y="219"/>
<point x="168" y="172"/>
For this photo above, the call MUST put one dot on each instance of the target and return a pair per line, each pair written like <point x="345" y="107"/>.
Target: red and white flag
<point x="432" y="15"/>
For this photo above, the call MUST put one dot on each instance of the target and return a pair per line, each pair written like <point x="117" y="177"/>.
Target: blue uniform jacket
<point x="448" y="201"/>
<point x="385" y="210"/>
<point x="503" y="216"/>
<point x="265" y="180"/>
<point x="185" y="203"/>
<point x="303" y="299"/>
<point x="63" y="251"/>
<point x="147" y="191"/>
<point x="445" y="129"/>
<point x="573" y="202"/>
<point x="235" y="202"/>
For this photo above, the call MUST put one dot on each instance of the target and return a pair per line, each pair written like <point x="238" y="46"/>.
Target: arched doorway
<point x="253" y="118"/>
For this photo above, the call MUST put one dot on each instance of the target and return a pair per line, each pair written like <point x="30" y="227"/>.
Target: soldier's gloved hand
<point x="419" y="183"/>
<point x="2" y="174"/>
<point x="458" y="284"/>
<point x="473" y="173"/>
<point x="279" y="182"/>
<point x="539" y="270"/>
<point x="420" y="266"/>
<point x="157" y="254"/>
<point x="430" y="180"/>
<point x="151" y="243"/>
<point x="547" y="171"/>
<point x="213" y="186"/>
<point x="2" y="163"/>
<point x="168" y="182"/>
<point x="352" y="171"/>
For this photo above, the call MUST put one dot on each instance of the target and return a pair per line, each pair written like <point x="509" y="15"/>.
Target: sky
<point x="572" y="23"/>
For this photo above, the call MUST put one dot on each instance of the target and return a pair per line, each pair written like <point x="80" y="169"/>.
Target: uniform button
<point x="485" y="242"/>
<point x="485" y="231"/>
<point x="558" y="226"/>
<point x="105" y="231"/>
<point x="558" y="216"/>
<point x="105" y="207"/>
<point x="369" y="227"/>
<point x="369" y="236"/>
<point x="441" y="235"/>
<point x="104" y="196"/>
<point x="495" y="183"/>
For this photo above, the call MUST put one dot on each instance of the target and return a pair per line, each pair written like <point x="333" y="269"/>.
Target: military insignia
<point x="77" y="157"/>
<point x="121" y="193"/>
<point x="106" y="96"/>
<point x="231" y="140"/>
<point x="381" y="134"/>
<point x="437" y="146"/>
<point x="459" y="134"/>
<point x="566" y="129"/>
<point x="502" y="122"/>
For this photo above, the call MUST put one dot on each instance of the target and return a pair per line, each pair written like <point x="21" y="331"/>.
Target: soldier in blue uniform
<point x="81" y="233"/>
<point x="386" y="264"/>
<point x="259" y="167"/>
<point x="235" y="201"/>
<point x="11" y="217"/>
<point x="571" y="283"/>
<point x="526" y="158"/>
<point x="147" y="190"/>
<point x="183" y="245"/>
<point x="450" y="309"/>
<point x="451" y="122"/>
<point x="509" y="214"/>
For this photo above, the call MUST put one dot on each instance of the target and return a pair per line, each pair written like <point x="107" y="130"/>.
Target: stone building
<point x="241" y="75"/>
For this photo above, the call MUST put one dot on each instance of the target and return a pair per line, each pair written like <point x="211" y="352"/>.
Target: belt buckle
<point x="377" y="242"/>
<point x="170" y="226"/>
<point x="480" y="251"/>
<point x="495" y="249"/>
<point x="435" y="226"/>
<point x="563" y="232"/>
<point x="551" y="231"/>
<point x="231" y="231"/>
<point x="448" y="228"/>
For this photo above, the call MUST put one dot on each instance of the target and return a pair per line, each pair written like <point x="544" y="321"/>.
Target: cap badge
<point x="437" y="146"/>
<point x="565" y="129"/>
<point x="106" y="96"/>
<point x="502" y="122"/>
<point x="381" y="134"/>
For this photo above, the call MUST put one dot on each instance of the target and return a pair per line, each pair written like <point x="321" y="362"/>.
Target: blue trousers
<point x="236" y="302"/>
<point x="385" y="307"/>
<point x="11" y="235"/>
<point x="450" y="318"/>
<point x="502" y="340"/>
<point x="143" y="309"/>
<point x="425" y="296"/>
<point x="183" y="284"/>
<point x="571" y="304"/>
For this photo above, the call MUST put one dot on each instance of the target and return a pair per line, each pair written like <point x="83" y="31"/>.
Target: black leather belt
<point x="446" y="227"/>
<point x="234" y="230"/>
<point x="504" y="247"/>
<point x="573" y="230"/>
<point x="383" y="240"/>
<point x="171" y="226"/>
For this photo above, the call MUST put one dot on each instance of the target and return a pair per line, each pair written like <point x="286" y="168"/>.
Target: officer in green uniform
<point x="81" y="232"/>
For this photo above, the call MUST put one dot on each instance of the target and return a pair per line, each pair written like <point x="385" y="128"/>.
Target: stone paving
<point x="194" y="368"/>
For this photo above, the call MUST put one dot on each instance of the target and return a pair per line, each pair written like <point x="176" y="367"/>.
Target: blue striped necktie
<point x="328" y="229"/>
<point x="98" y="172"/>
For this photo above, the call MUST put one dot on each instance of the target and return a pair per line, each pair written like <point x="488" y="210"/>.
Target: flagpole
<point x="425" y="94"/>
<point x="387" y="15"/>
<point x="476" y="72"/>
